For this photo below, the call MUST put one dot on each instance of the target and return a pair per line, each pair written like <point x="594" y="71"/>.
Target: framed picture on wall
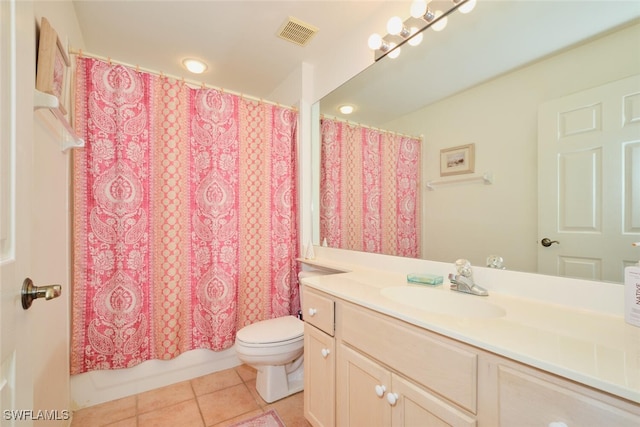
<point x="53" y="61"/>
<point x="457" y="160"/>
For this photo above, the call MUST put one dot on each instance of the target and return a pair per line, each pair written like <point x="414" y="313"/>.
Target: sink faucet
<point x="463" y="281"/>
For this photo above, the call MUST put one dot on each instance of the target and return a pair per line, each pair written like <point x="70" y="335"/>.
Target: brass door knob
<point x="31" y="292"/>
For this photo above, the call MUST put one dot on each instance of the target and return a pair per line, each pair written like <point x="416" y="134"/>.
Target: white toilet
<point x="275" y="348"/>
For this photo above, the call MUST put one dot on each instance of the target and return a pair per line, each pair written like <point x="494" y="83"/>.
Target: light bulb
<point x="346" y="109"/>
<point x="415" y="39"/>
<point x="194" y="65"/>
<point x="418" y="8"/>
<point x="468" y="6"/>
<point x="394" y="26"/>
<point x="394" y="52"/>
<point x="441" y="23"/>
<point x="428" y="15"/>
<point x="375" y="41"/>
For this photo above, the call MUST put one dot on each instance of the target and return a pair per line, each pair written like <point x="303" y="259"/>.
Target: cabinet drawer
<point x="528" y="400"/>
<point x="447" y="369"/>
<point x="318" y="310"/>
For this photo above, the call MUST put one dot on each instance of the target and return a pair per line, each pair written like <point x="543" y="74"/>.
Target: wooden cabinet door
<point x="417" y="407"/>
<point x="526" y="398"/>
<point x="319" y="377"/>
<point x="362" y="391"/>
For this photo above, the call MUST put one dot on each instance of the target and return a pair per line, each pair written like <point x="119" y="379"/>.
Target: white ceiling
<point x="236" y="38"/>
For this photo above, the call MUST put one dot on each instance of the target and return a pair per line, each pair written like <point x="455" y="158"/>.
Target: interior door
<point x="589" y="182"/>
<point x="34" y="234"/>
<point x="16" y="385"/>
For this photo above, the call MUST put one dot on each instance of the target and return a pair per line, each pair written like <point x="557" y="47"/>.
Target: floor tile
<point x="227" y="403"/>
<point x="246" y="372"/>
<point x="105" y="413"/>
<point x="164" y="396"/>
<point x="129" y="422"/>
<point x="239" y="418"/>
<point x="183" y="414"/>
<point x="215" y="381"/>
<point x="220" y="399"/>
<point x="291" y="410"/>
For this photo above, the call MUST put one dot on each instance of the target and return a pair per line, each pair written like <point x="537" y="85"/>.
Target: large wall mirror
<point x="516" y="79"/>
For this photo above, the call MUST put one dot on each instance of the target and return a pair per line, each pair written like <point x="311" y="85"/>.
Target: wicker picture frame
<point x="52" y="65"/>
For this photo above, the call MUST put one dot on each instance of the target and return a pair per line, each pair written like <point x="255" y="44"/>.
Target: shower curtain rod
<point x="193" y="83"/>
<point x="339" y="119"/>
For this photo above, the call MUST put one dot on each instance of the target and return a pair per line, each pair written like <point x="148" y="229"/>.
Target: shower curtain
<point x="369" y="189"/>
<point x="185" y="217"/>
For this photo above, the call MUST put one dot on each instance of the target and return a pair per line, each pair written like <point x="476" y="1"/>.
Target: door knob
<point x="31" y="292"/>
<point x="546" y="242"/>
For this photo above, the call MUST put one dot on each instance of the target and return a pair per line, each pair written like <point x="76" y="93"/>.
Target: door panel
<point x="588" y="145"/>
<point x="16" y="381"/>
<point x="361" y="399"/>
<point x="34" y="231"/>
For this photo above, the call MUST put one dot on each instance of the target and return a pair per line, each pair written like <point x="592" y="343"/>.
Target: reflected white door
<point x="589" y="182"/>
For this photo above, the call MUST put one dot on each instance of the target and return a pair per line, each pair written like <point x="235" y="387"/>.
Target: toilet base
<point x="276" y="382"/>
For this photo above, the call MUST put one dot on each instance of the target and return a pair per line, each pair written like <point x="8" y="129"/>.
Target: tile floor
<point x="215" y="400"/>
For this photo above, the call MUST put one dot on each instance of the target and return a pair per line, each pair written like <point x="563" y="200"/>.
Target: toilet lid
<point x="272" y="330"/>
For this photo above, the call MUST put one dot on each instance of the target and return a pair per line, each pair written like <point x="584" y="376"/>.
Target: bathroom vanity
<point x="380" y="352"/>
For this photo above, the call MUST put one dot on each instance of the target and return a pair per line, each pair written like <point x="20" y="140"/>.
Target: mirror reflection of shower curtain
<point x="369" y="189"/>
<point x="185" y="217"/>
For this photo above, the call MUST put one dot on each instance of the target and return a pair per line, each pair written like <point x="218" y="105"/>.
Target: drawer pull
<point x="557" y="424"/>
<point x="392" y="398"/>
<point x="325" y="352"/>
<point x="380" y="389"/>
<point x="312" y="312"/>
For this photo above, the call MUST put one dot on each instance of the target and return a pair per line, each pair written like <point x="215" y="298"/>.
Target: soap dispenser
<point x="632" y="293"/>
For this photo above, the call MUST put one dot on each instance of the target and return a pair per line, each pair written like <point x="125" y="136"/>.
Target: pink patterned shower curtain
<point x="185" y="217"/>
<point x="369" y="189"/>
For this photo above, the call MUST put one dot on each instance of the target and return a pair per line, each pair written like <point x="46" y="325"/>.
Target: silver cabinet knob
<point x="31" y="292"/>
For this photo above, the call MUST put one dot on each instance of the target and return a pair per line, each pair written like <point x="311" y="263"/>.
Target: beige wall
<point x="50" y="231"/>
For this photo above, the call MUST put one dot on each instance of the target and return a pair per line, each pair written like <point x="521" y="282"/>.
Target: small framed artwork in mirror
<point x="53" y="61"/>
<point x="457" y="160"/>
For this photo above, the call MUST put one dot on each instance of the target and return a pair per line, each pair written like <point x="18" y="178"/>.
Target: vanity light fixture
<point x="411" y="30"/>
<point x="467" y="7"/>
<point x="394" y="51"/>
<point x="194" y="65"/>
<point x="416" y="37"/>
<point x="376" y="43"/>
<point x="396" y="27"/>
<point x="440" y="22"/>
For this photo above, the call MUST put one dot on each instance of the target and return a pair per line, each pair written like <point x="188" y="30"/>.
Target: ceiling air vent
<point x="296" y="31"/>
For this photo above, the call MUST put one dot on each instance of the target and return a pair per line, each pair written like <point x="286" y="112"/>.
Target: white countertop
<point x="593" y="348"/>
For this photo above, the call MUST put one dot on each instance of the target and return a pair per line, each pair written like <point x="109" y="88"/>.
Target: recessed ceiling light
<point x="346" y="109"/>
<point x="194" y="65"/>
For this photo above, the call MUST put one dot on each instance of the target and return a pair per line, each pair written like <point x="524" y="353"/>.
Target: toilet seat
<point x="276" y="332"/>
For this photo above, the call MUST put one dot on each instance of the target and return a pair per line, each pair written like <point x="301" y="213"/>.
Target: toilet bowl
<point x="274" y="348"/>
